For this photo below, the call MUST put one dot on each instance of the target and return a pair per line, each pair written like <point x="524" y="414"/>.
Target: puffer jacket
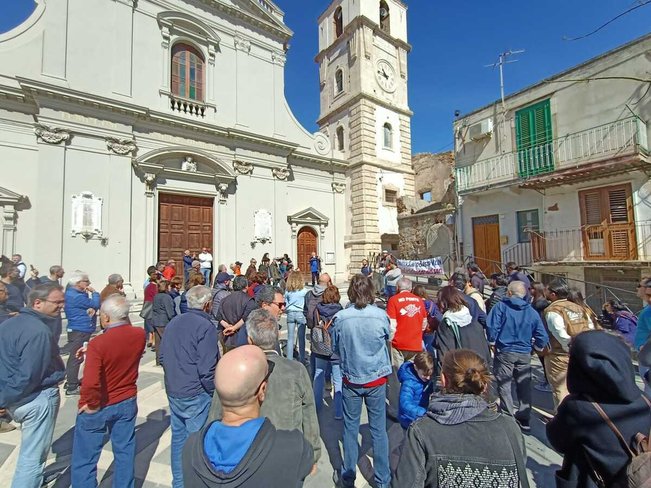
<point x="76" y="308"/>
<point x="414" y="394"/>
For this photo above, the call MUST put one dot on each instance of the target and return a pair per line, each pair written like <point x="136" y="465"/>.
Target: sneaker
<point x="72" y="392"/>
<point x="6" y="427"/>
<point x="543" y="386"/>
<point x="524" y="425"/>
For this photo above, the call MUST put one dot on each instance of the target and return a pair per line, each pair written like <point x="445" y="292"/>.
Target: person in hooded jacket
<point x="244" y="449"/>
<point x="461" y="441"/>
<point x="459" y="280"/>
<point x="512" y="325"/>
<point x="622" y="320"/>
<point x="458" y="329"/>
<point x="325" y="311"/>
<point x="416" y="386"/>
<point x="499" y="283"/>
<point x="600" y="370"/>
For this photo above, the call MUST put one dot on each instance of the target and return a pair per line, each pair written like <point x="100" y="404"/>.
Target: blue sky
<point x="452" y="41"/>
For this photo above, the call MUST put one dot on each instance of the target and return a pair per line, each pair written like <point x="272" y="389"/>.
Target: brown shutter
<point x="591" y="211"/>
<point x="618" y="204"/>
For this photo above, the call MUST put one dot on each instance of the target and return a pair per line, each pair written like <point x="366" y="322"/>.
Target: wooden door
<point x="486" y="243"/>
<point x="184" y="222"/>
<point x="608" y="224"/>
<point x="306" y="243"/>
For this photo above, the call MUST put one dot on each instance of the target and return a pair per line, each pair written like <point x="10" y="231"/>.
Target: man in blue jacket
<point x="30" y="372"/>
<point x="512" y="326"/>
<point x="189" y="355"/>
<point x="82" y="303"/>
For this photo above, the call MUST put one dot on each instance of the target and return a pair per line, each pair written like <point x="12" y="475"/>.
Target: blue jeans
<point x="320" y="369"/>
<point x="375" y="399"/>
<point x="389" y="291"/>
<point x="187" y="415"/>
<point x="118" y="421"/>
<point x="295" y="319"/>
<point x="206" y="275"/>
<point x="37" y="419"/>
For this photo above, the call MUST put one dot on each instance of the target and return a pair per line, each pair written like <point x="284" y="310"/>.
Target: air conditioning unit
<point x="481" y="130"/>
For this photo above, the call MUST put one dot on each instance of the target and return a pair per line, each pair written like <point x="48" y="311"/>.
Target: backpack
<point x="320" y="338"/>
<point x="638" y="472"/>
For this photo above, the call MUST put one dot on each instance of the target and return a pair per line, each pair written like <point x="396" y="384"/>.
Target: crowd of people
<point x="245" y="406"/>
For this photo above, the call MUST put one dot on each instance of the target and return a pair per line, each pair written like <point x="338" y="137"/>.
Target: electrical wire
<point x="641" y="4"/>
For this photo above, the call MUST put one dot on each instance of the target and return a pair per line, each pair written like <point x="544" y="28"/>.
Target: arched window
<point x="339" y="81"/>
<point x="188" y="71"/>
<point x="340" y="138"/>
<point x="339" y="22"/>
<point x="388" y="136"/>
<point x="385" y="25"/>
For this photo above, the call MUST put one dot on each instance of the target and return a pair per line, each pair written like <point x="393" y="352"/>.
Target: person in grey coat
<point x="162" y="312"/>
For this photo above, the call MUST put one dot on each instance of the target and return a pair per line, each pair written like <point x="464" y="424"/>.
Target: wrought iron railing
<point x="618" y="138"/>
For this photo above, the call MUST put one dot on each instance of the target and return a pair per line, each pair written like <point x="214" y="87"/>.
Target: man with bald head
<point x="512" y="326"/>
<point x="244" y="449"/>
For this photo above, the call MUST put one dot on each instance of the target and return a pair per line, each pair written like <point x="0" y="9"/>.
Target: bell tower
<point x="365" y="112"/>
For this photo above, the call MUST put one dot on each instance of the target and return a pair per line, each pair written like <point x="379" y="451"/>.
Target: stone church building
<point x="131" y="130"/>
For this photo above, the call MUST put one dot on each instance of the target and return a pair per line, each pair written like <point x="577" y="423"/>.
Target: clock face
<point x="385" y="75"/>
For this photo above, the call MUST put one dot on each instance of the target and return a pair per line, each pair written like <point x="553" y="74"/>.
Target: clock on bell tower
<point x="365" y="112"/>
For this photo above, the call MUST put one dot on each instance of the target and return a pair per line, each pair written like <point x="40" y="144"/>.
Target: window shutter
<point x="533" y="132"/>
<point x="618" y="205"/>
<point x="591" y="207"/>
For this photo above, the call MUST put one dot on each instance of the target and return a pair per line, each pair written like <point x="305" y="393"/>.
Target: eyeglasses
<point x="270" y="368"/>
<point x="279" y="304"/>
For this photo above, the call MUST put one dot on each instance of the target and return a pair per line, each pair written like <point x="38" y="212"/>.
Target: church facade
<point x="134" y="129"/>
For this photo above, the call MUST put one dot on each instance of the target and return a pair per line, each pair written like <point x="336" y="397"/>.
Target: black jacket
<point x="496" y="297"/>
<point x="600" y="367"/>
<point x="276" y="459"/>
<point x="487" y="449"/>
<point x="29" y="358"/>
<point x="470" y="334"/>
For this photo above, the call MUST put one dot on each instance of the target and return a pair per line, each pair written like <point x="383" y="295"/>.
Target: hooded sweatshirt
<point x="458" y="330"/>
<point x="512" y="324"/>
<point x="311" y="299"/>
<point x="248" y="456"/>
<point x="600" y="369"/>
<point x="326" y="312"/>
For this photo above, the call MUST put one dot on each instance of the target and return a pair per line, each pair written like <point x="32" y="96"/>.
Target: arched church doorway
<point x="306" y="245"/>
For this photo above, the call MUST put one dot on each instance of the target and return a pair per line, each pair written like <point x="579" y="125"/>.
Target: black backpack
<point x="320" y="338"/>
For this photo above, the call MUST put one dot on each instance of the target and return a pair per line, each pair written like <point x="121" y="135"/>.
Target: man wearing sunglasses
<point x="244" y="448"/>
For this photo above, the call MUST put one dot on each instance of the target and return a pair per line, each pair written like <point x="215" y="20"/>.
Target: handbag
<point x="146" y="310"/>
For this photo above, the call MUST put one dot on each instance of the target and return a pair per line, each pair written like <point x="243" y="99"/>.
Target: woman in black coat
<point x="600" y="370"/>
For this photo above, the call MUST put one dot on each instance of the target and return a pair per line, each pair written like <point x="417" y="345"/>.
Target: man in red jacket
<point x="108" y="397"/>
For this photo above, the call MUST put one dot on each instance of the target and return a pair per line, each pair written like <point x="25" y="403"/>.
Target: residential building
<point x="556" y="179"/>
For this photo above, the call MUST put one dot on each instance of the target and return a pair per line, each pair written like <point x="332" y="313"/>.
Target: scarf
<point x="453" y="409"/>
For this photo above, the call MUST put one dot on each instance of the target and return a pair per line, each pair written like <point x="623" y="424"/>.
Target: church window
<point x="188" y="68"/>
<point x="340" y="138"/>
<point x="339" y="22"/>
<point x="385" y="24"/>
<point x="339" y="81"/>
<point x="388" y="136"/>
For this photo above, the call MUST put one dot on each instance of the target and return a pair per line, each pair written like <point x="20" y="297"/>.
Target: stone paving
<point x="153" y="439"/>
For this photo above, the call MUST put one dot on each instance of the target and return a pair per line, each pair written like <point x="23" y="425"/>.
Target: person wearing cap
<point x="221" y="290"/>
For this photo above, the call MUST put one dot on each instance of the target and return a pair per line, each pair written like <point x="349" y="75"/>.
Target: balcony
<point x="575" y="157"/>
<point x="615" y="242"/>
<point x="187" y="106"/>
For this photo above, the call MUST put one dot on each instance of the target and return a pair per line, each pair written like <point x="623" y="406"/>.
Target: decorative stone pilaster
<point x="322" y="228"/>
<point x="338" y="187"/>
<point x="150" y="184"/>
<point x="242" y="44"/>
<point x="281" y="173"/>
<point x="222" y="188"/>
<point x="278" y="58"/>
<point x="242" y="167"/>
<point x="120" y="146"/>
<point x="9" y="219"/>
<point x="51" y="135"/>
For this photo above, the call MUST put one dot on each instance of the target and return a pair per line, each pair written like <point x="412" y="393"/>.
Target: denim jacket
<point x="360" y="339"/>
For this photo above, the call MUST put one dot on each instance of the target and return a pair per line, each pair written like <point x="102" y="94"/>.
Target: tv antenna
<point x="503" y="59"/>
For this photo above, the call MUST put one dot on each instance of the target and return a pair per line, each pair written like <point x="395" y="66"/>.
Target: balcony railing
<point x="619" y="138"/>
<point x="611" y="242"/>
<point x="187" y="106"/>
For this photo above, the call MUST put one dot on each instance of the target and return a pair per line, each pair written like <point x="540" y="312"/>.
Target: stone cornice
<point x="355" y="24"/>
<point x="394" y="168"/>
<point x="353" y="100"/>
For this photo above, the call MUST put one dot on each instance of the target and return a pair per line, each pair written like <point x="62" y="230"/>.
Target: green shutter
<point x="533" y="131"/>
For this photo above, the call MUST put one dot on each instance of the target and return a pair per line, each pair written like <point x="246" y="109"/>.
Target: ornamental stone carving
<point x="321" y="144"/>
<point x="281" y="173"/>
<point x="51" y="135"/>
<point x="338" y="187"/>
<point x="222" y="188"/>
<point x="150" y="183"/>
<point x="278" y="58"/>
<point x="121" y="146"/>
<point x="189" y="165"/>
<point x="242" y="44"/>
<point x="242" y="167"/>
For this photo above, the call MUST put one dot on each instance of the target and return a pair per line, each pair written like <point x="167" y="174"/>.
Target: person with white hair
<point x="512" y="326"/>
<point x="189" y="353"/>
<point x="82" y="302"/>
<point x="108" y="396"/>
